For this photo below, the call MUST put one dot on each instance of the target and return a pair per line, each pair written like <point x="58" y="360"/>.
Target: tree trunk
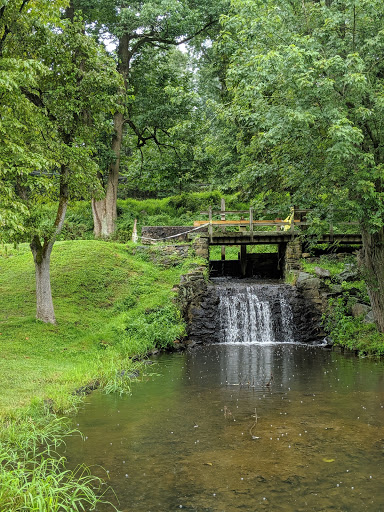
<point x="42" y="258"/>
<point x="372" y="260"/>
<point x="104" y="210"/>
<point x="42" y="255"/>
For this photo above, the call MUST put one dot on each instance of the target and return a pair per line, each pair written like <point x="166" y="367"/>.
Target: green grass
<point x="33" y="476"/>
<point x="334" y="266"/>
<point x="232" y="251"/>
<point x="109" y="306"/>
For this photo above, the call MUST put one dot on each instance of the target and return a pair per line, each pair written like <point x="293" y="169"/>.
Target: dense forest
<point x="278" y="101"/>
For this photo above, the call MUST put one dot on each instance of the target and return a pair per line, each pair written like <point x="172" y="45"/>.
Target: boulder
<point x="368" y="319"/>
<point x="336" y="289"/>
<point x="322" y="273"/>
<point x="312" y="283"/>
<point x="302" y="276"/>
<point x="359" y="309"/>
<point x="347" y="275"/>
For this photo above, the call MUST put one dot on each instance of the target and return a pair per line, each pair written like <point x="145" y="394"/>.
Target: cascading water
<point x="255" y="313"/>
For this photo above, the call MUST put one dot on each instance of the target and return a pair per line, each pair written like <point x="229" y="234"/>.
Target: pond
<point x="231" y="427"/>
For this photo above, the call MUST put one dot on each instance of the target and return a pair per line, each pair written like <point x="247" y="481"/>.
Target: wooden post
<point x="331" y="231"/>
<point x="251" y="223"/>
<point x="210" y="230"/>
<point x="243" y="260"/>
<point x="295" y="216"/>
<point x="331" y="226"/>
<point x="292" y="226"/>
<point x="223" y="218"/>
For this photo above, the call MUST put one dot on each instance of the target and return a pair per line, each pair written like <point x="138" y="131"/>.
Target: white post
<point x="135" y="237"/>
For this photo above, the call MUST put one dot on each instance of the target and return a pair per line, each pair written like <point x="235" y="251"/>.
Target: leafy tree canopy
<point x="307" y="86"/>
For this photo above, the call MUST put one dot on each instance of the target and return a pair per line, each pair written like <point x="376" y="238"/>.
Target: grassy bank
<point x="110" y="306"/>
<point x="344" y="329"/>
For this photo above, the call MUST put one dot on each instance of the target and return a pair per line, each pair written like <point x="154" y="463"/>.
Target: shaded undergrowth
<point x="344" y="329"/>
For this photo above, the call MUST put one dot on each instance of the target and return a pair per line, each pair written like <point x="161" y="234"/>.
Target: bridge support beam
<point x="201" y="247"/>
<point x="243" y="260"/>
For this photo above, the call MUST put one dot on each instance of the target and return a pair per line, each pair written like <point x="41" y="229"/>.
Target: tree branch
<point x="152" y="38"/>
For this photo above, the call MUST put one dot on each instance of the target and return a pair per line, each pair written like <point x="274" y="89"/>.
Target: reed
<point x="33" y="476"/>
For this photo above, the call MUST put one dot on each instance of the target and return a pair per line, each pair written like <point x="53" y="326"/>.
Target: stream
<point x="212" y="432"/>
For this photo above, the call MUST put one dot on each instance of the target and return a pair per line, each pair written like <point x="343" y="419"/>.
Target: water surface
<point x="214" y="432"/>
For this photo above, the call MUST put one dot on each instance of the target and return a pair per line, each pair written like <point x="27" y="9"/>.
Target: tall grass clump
<point x="33" y="476"/>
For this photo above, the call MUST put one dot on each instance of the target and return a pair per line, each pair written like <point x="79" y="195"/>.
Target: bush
<point x="351" y="332"/>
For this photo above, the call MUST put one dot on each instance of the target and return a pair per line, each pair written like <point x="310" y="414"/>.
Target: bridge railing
<point x="246" y="223"/>
<point x="297" y="219"/>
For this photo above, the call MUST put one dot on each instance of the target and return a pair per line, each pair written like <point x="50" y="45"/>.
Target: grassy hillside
<point x="179" y="210"/>
<point x="109" y="306"/>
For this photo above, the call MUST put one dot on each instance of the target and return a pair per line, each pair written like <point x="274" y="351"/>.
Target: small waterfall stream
<point x="255" y="313"/>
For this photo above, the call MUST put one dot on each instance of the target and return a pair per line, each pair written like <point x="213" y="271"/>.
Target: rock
<point x="312" y="283"/>
<point x="322" y="273"/>
<point x="306" y="255"/>
<point x="336" y="289"/>
<point x="368" y="319"/>
<point x="303" y="276"/>
<point x="360" y="309"/>
<point x="347" y="276"/>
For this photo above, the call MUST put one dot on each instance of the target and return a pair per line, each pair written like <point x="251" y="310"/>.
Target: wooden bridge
<point x="290" y="235"/>
<point x="284" y="230"/>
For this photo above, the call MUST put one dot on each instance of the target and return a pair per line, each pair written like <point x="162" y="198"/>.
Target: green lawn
<point x="103" y="298"/>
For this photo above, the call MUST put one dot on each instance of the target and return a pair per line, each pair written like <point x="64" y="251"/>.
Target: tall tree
<point x="55" y="104"/>
<point x="307" y="80"/>
<point x="136" y="25"/>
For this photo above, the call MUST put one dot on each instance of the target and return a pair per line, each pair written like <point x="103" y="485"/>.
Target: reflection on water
<point x="214" y="433"/>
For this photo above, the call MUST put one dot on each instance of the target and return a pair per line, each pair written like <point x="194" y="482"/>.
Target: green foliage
<point x="33" y="476"/>
<point x="335" y="266"/>
<point x="232" y="251"/>
<point x="58" y="87"/>
<point x="306" y="92"/>
<point x="351" y="332"/>
<point x="101" y="290"/>
<point x="111" y="306"/>
<point x="159" y="327"/>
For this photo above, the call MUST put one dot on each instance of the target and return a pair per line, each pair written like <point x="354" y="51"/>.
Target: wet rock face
<point x="243" y="311"/>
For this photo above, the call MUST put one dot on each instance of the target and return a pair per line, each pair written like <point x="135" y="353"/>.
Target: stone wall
<point x="166" y="255"/>
<point x="319" y="288"/>
<point x="197" y="305"/>
<point x="150" y="234"/>
<point x="293" y="253"/>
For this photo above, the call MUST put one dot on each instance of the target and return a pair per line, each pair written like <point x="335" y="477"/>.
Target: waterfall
<point x="256" y="313"/>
